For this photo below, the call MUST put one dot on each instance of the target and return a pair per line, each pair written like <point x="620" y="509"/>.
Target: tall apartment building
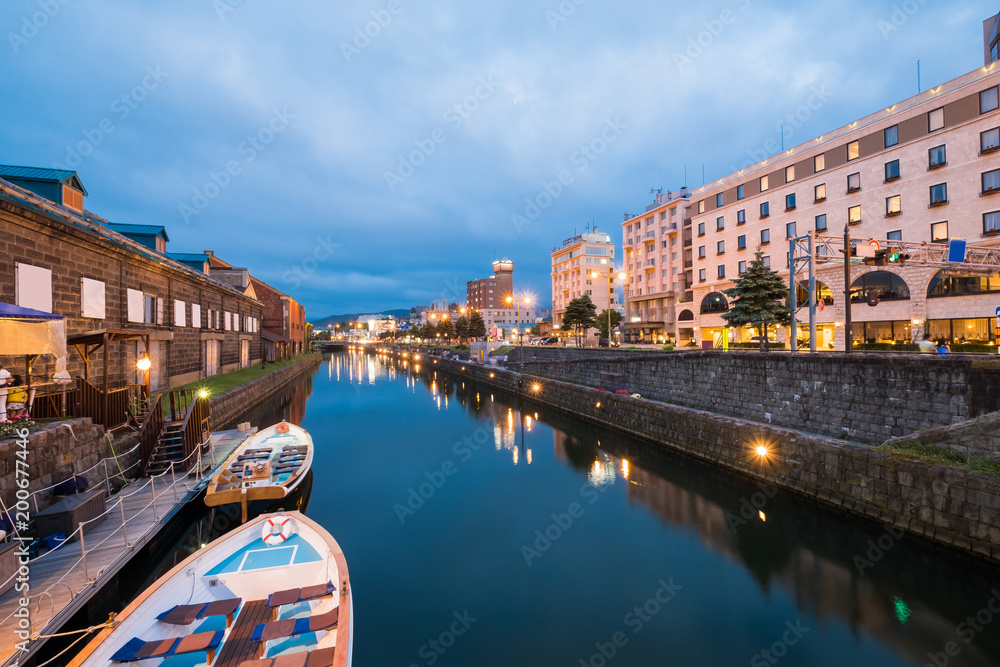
<point x="572" y="264"/>
<point x="924" y="170"/>
<point x="489" y="293"/>
<point x="991" y="40"/>
<point x="657" y="250"/>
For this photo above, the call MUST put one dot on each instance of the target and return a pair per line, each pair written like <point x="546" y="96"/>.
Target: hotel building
<point x="489" y="293"/>
<point x="572" y="264"/>
<point x="925" y="169"/>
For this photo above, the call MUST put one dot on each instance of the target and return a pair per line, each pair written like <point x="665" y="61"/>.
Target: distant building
<point x="991" y="40"/>
<point x="440" y="306"/>
<point x="490" y="293"/>
<point x="572" y="265"/>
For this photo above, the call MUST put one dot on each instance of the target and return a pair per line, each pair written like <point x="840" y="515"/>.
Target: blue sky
<point x="376" y="154"/>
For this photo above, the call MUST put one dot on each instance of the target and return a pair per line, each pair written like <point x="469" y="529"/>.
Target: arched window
<point x="943" y="284"/>
<point x="685" y="316"/>
<point x="714" y="303"/>
<point x="882" y="284"/>
<point x="823" y="294"/>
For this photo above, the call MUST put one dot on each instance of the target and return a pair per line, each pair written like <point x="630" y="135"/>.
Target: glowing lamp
<point x="144" y="364"/>
<point x="203" y="393"/>
<point x="762" y="451"/>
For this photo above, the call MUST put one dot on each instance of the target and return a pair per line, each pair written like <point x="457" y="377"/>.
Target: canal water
<point x="483" y="530"/>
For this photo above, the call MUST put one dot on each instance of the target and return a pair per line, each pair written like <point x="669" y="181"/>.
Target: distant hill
<point x="337" y="319"/>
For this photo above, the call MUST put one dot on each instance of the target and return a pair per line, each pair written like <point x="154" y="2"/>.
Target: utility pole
<point x="847" y="288"/>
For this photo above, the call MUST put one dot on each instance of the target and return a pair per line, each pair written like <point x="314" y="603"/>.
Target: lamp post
<point x="144" y="365"/>
<point x="621" y="276"/>
<point x="524" y="300"/>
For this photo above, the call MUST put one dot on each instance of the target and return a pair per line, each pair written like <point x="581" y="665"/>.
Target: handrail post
<point x="121" y="506"/>
<point x="107" y="481"/>
<point x="83" y="555"/>
<point x="152" y="485"/>
<point x="173" y="481"/>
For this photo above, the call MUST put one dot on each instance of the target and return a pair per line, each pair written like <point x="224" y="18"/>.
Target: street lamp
<point x="526" y="301"/>
<point x="610" y="275"/>
<point x="144" y="365"/>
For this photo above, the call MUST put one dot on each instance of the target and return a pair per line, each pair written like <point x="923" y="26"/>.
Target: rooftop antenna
<point x="702" y="174"/>
<point x="685" y="176"/>
<point x="918" y="77"/>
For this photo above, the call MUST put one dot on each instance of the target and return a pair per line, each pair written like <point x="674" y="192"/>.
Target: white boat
<point x="268" y="467"/>
<point x="275" y="592"/>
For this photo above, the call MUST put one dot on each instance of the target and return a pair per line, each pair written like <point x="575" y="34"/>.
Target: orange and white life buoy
<point x="281" y="428"/>
<point x="277" y="529"/>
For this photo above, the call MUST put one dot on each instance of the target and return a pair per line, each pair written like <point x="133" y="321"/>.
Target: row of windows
<point x="935" y="121"/>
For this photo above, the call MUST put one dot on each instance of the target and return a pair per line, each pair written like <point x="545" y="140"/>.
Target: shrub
<point x="668" y="348"/>
<point x="756" y="346"/>
<point x="888" y="347"/>
<point x="973" y="347"/>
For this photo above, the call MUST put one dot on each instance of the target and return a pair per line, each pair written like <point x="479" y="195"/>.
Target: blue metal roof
<point x="152" y="230"/>
<point x="188" y="256"/>
<point x="42" y="174"/>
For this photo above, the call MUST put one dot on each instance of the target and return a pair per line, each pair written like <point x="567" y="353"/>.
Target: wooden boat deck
<point x="61" y="581"/>
<point x="238" y="646"/>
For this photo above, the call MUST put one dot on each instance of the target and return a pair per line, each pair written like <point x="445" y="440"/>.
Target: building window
<point x="741" y="268"/>
<point x="883" y="285"/>
<point x="854" y="182"/>
<point x="893" y="205"/>
<point x="988" y="100"/>
<point x="722" y="271"/>
<point x="714" y="303"/>
<point x="939" y="232"/>
<point x="890" y="136"/>
<point x="741" y="216"/>
<point x="701" y="229"/>
<point x="718" y="200"/>
<point x="853" y="151"/>
<point x="765" y="210"/>
<point x="991" y="182"/>
<point x="701" y="206"/>
<point x="790" y="230"/>
<point x="989" y="140"/>
<point x="820" y="192"/>
<point x="763" y="183"/>
<point x="701" y="252"/>
<point x="819" y="162"/>
<point x="789" y="174"/>
<point x="991" y="222"/>
<point x="720" y="248"/>
<point x="741" y="242"/>
<point x="935" y="120"/>
<point x="766" y="261"/>
<point x="854" y="215"/>
<point x="939" y="194"/>
<point x="765" y="236"/>
<point x="701" y="276"/>
<point x="790" y="202"/>
<point x="936" y="157"/>
<point x="896" y="235"/>
<point x="720" y="224"/>
<point x="821" y="223"/>
<point x="892" y="171"/>
<point x="740" y="192"/>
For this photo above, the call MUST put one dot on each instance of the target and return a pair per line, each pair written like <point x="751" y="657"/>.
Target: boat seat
<point x="139" y="649"/>
<point x="185" y="614"/>
<point x="322" y="657"/>
<point x="292" y="627"/>
<point x="296" y="595"/>
<point x="295" y="448"/>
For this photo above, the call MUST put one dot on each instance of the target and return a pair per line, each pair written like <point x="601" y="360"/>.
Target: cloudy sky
<point x="380" y="153"/>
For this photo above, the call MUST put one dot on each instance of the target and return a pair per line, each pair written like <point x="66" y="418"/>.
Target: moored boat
<point x="275" y="592"/>
<point x="268" y="467"/>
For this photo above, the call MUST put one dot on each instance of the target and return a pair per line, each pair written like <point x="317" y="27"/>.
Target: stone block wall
<point x="942" y="503"/>
<point x="226" y="407"/>
<point x="868" y="397"/>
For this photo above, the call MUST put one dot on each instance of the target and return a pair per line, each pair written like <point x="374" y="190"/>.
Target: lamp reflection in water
<point x="602" y="473"/>
<point x="625" y="468"/>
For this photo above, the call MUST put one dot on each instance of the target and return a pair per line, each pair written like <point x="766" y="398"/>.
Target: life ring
<point x="281" y="428"/>
<point x="284" y="523"/>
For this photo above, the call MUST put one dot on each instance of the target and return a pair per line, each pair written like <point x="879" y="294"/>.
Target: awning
<point x="28" y="332"/>
<point x="267" y="334"/>
<point x="90" y="342"/>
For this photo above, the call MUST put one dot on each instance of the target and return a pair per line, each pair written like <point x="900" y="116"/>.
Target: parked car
<point x="551" y="340"/>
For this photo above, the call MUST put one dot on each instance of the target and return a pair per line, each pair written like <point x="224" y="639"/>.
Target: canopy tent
<point x="32" y="333"/>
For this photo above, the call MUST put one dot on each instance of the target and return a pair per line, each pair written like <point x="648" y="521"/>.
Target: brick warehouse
<point x="57" y="257"/>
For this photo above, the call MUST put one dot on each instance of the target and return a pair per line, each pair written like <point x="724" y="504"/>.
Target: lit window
<point x="853" y="151"/>
<point x="936" y="157"/>
<point x="789" y="174"/>
<point x="854" y="214"/>
<point x="820" y="192"/>
<point x="763" y="183"/>
<point x="741" y="242"/>
<point x="789" y="202"/>
<point x="988" y="100"/>
<point x="891" y="136"/>
<point x="939" y="231"/>
<point x="701" y="206"/>
<point x="765" y="236"/>
<point x="989" y="140"/>
<point x="741" y="216"/>
<point x="939" y="194"/>
<point x="893" y="205"/>
<point x="739" y="192"/>
<point x="935" y="120"/>
<point x="819" y="162"/>
<point x="854" y="182"/>
<point x="821" y="223"/>
<point x="991" y="222"/>
<point x="765" y="210"/>
<point x="991" y="181"/>
<point x="891" y="171"/>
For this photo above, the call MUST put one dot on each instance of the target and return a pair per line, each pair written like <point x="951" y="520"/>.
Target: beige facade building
<point x="923" y="170"/>
<point x="572" y="265"/>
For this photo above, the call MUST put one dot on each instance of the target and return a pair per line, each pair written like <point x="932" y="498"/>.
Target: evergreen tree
<point x="446" y="328"/>
<point x="759" y="297"/>
<point x="462" y="328"/>
<point x="602" y="322"/>
<point x="427" y="331"/>
<point x="477" y="326"/>
<point x="580" y="315"/>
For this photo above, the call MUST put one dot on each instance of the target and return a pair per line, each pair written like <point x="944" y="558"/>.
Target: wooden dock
<point x="63" y="580"/>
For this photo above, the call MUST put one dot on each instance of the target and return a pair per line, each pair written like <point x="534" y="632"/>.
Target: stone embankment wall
<point x="226" y="407"/>
<point x="865" y="397"/>
<point x="974" y="437"/>
<point x="946" y="504"/>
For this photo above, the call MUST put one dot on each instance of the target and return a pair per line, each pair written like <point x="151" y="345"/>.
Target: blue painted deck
<point x="259" y="556"/>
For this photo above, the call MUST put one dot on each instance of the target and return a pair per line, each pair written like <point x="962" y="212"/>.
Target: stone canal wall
<point x="865" y="397"/>
<point x="946" y="504"/>
<point x="226" y="407"/>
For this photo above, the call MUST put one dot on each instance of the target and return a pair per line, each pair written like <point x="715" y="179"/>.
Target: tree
<point x="477" y="326"/>
<point x="452" y="307"/>
<point x="758" y="299"/>
<point x="462" y="328"/>
<point x="446" y="328"/>
<point x="602" y="322"/>
<point x="579" y="316"/>
<point x="536" y="330"/>
<point x="413" y="311"/>
<point x="427" y="331"/>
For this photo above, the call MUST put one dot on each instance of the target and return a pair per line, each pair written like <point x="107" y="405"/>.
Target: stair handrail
<point x="150" y="430"/>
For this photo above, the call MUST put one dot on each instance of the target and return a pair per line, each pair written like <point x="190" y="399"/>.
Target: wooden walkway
<point x="63" y="580"/>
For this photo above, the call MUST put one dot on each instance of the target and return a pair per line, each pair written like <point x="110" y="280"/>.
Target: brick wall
<point x="868" y="397"/>
<point x="942" y="503"/>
